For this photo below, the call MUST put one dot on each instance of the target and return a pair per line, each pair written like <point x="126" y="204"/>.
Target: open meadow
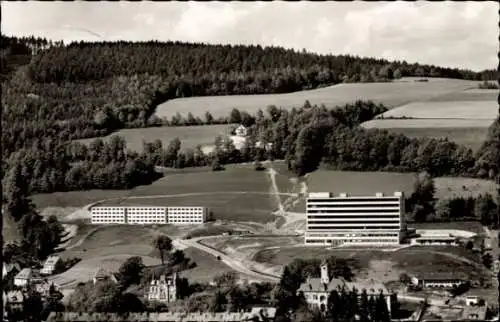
<point x="237" y="194"/>
<point x="190" y="136"/>
<point x="450" y="187"/>
<point x="109" y="246"/>
<point x="462" y="116"/>
<point x="391" y="94"/>
<point x="390" y="264"/>
<point x="367" y="183"/>
<point x="470" y="110"/>
<point x="360" y="183"/>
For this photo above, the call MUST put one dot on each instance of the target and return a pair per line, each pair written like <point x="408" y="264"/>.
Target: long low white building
<point x="144" y="215"/>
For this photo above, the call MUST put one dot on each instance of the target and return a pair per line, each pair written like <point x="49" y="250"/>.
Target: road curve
<point x="229" y="261"/>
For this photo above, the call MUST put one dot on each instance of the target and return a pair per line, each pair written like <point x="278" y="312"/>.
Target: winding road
<point x="234" y="263"/>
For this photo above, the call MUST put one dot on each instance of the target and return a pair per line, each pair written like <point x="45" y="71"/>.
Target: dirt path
<point x="291" y="218"/>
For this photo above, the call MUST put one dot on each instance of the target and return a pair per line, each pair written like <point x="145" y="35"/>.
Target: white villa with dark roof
<point x="317" y="290"/>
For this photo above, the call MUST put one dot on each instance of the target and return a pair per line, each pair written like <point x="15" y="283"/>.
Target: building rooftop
<point x="52" y="260"/>
<point x="25" y="273"/>
<point x="436" y="237"/>
<point x="9" y="267"/>
<point x="370" y="286"/>
<point x="450" y="275"/>
<point x="315" y="285"/>
<point x="13" y="296"/>
<point x="454" y="313"/>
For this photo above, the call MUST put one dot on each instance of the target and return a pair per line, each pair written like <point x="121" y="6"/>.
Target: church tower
<point x="325" y="279"/>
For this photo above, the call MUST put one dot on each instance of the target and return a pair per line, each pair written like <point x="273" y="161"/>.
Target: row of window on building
<point x="145" y="215"/>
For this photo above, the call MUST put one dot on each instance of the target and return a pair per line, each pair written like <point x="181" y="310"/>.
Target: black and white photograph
<point x="237" y="161"/>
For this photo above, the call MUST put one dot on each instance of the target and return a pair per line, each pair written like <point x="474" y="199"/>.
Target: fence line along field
<point x="487" y="110"/>
<point x="470" y="137"/>
<point x="391" y="94"/>
<point x="190" y="136"/>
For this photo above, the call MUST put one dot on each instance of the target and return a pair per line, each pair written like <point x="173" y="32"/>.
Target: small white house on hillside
<point x="50" y="265"/>
<point x="241" y="131"/>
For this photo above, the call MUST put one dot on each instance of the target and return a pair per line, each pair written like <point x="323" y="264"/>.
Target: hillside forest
<point x="54" y="93"/>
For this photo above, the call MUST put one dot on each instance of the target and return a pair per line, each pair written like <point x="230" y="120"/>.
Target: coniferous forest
<point x="54" y="93"/>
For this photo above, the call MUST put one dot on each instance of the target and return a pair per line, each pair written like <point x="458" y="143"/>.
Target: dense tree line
<point x="39" y="237"/>
<point x="488" y="157"/>
<point x="54" y="166"/>
<point x="203" y="69"/>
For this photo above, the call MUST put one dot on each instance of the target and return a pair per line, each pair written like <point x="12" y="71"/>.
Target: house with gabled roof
<point x="103" y="275"/>
<point x="317" y="290"/>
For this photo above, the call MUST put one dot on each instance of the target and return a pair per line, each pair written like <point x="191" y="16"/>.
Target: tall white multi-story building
<point x="358" y="220"/>
<point x="143" y="215"/>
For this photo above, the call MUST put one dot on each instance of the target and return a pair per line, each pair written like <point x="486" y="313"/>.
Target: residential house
<point x="44" y="288"/>
<point x="444" y="280"/>
<point x="241" y="131"/>
<point x="317" y="290"/>
<point x="163" y="289"/>
<point x="52" y="264"/>
<point x="103" y="275"/>
<point x="7" y="268"/>
<point x="24" y="277"/>
<point x="13" y="299"/>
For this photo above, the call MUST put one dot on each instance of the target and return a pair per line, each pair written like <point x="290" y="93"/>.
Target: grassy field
<point x="472" y="137"/>
<point x="207" y="266"/>
<point x="175" y="181"/>
<point x="228" y="207"/>
<point x="74" y="198"/>
<point x="239" y="193"/>
<point x="391" y="94"/>
<point x="190" y="136"/>
<point x="474" y="94"/>
<point x="368" y="183"/>
<point x="411" y="260"/>
<point x="449" y="187"/>
<point x="109" y="246"/>
<point x="446" y="110"/>
<point x="237" y="243"/>
<point x="360" y="183"/>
